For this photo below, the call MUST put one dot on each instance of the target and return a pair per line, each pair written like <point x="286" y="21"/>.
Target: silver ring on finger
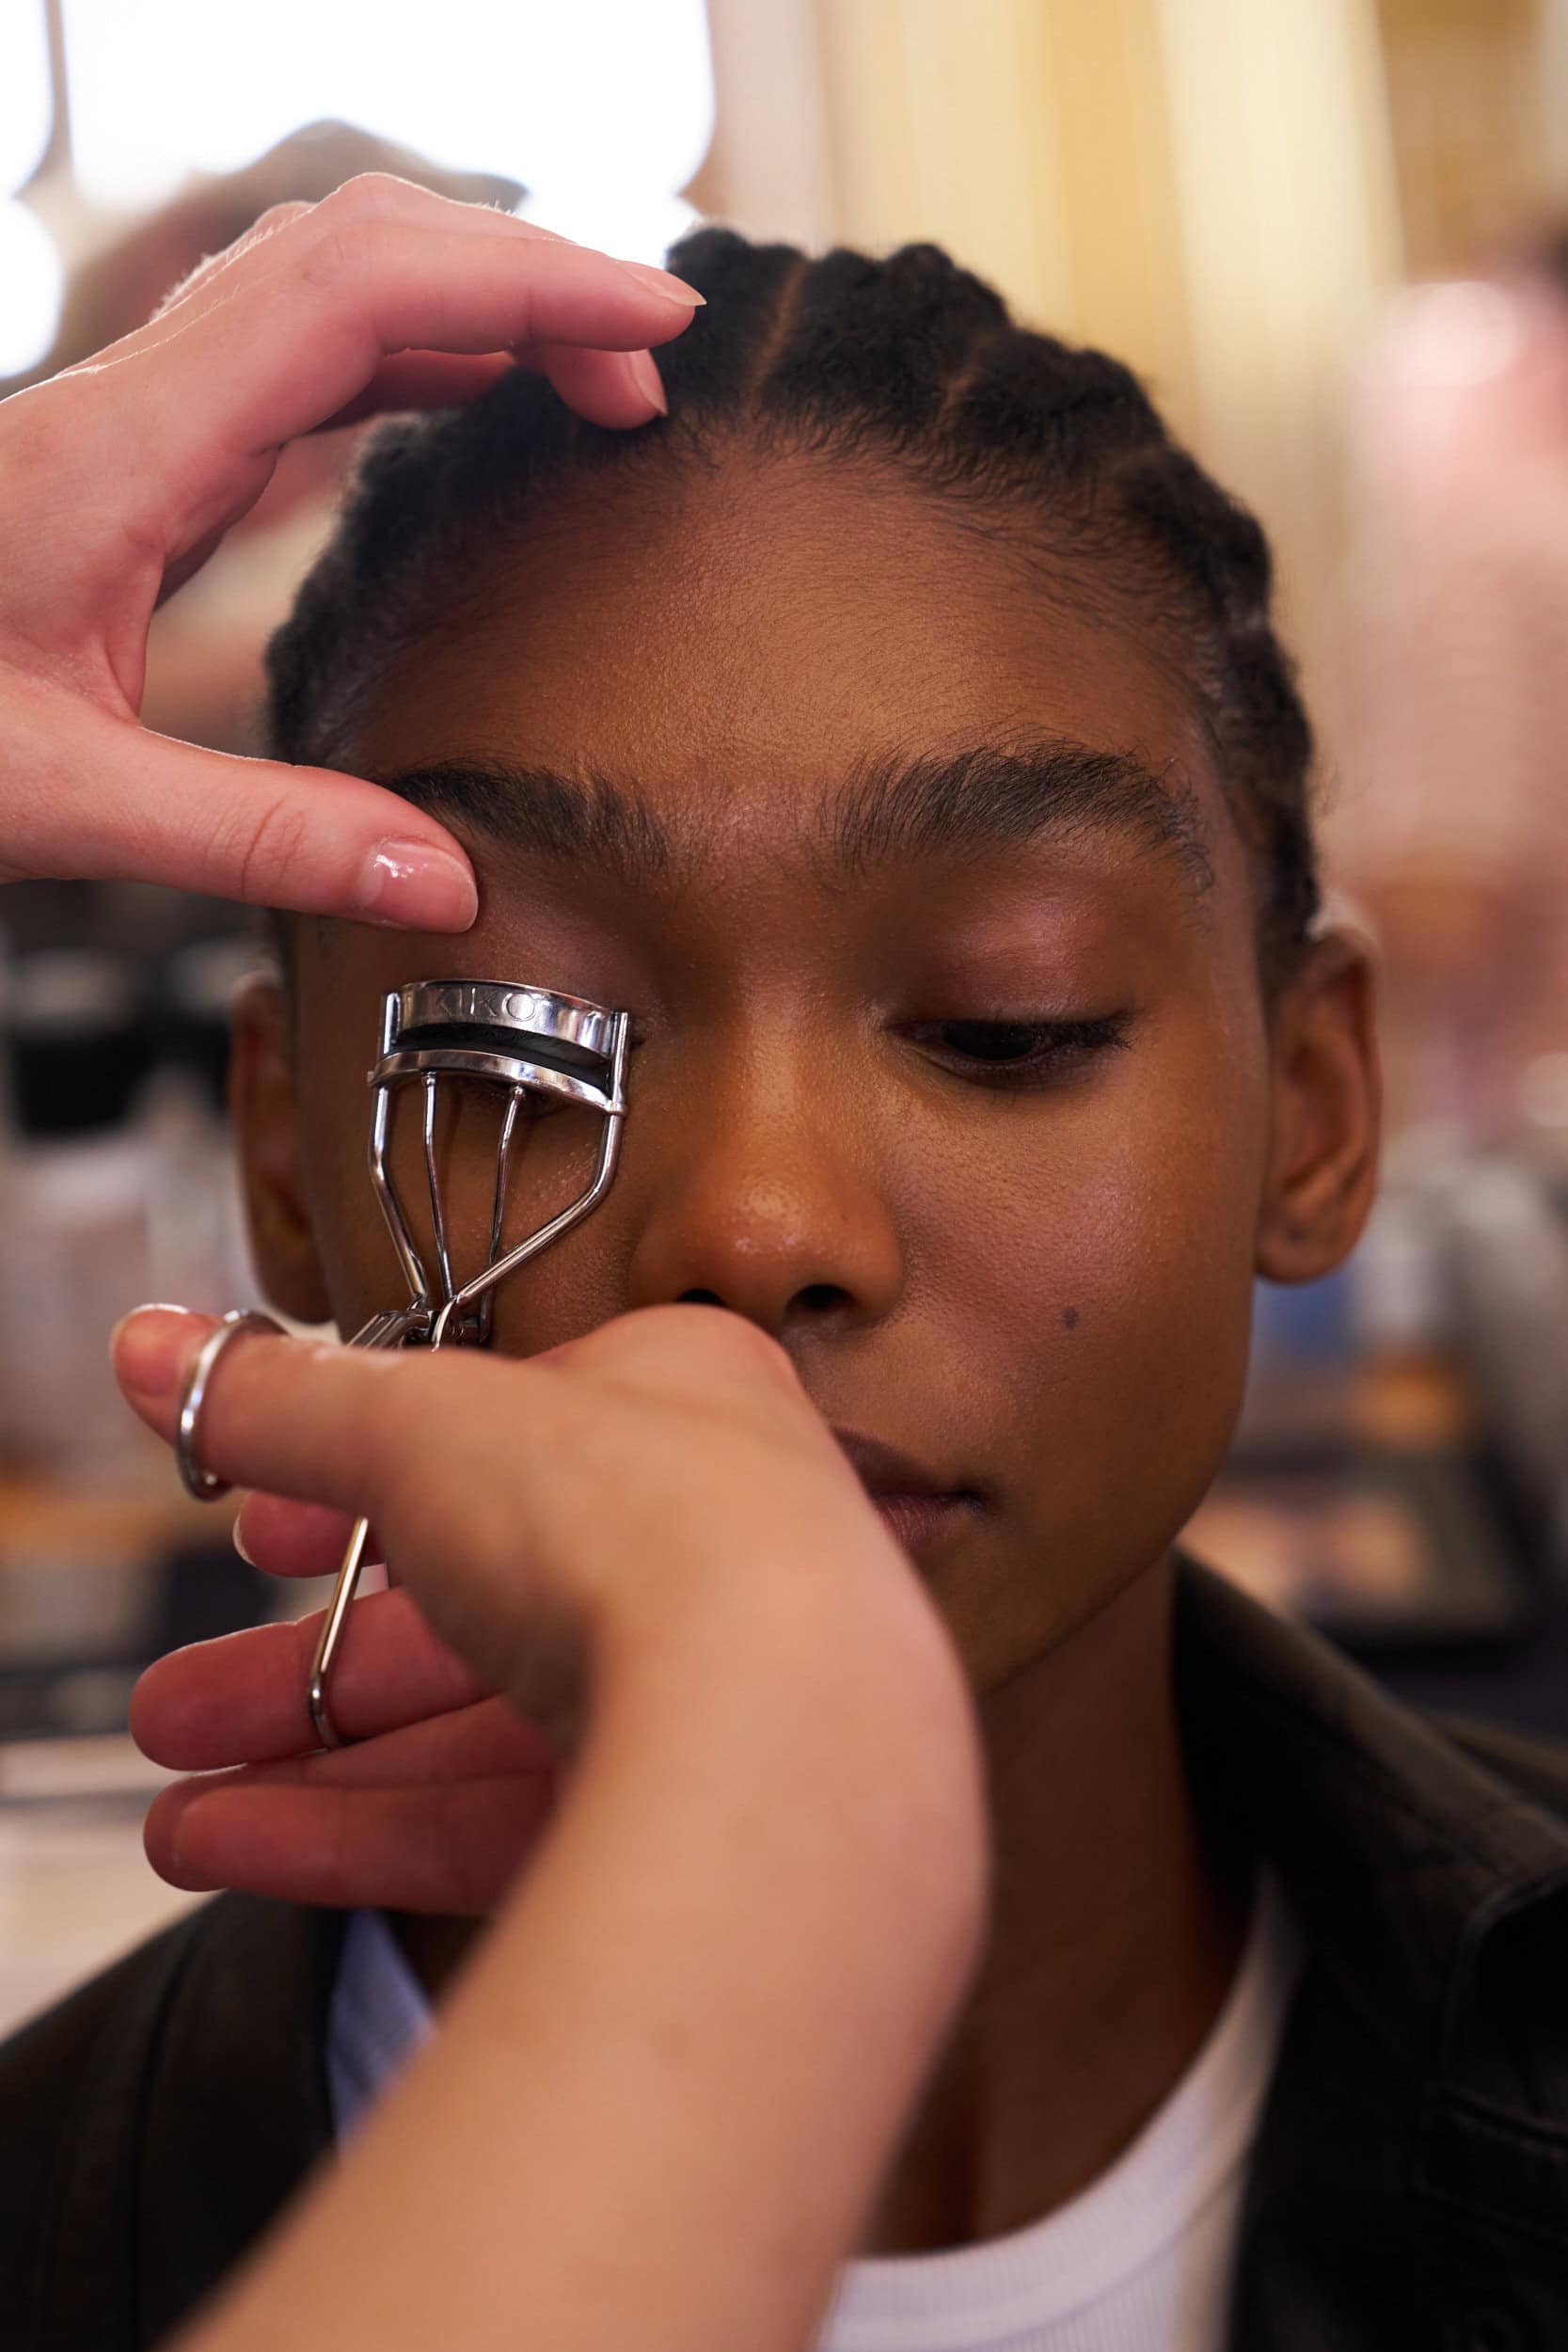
<point x="197" y="1480"/>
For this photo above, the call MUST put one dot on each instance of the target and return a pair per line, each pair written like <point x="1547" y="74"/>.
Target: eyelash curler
<point x="522" y="1042"/>
<point x="526" y="1041"/>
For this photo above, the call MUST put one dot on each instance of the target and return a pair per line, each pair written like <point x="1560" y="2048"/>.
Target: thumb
<point x="113" y="799"/>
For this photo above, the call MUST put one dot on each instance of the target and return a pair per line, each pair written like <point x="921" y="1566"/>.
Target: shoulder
<point x="1403" y="1834"/>
<point x="70" y="2081"/>
<point x="1537" y="1767"/>
<point x="156" y="2118"/>
<point x="47" y="2061"/>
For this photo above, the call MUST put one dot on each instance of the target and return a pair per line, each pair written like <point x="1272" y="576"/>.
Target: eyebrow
<point x="890" y="810"/>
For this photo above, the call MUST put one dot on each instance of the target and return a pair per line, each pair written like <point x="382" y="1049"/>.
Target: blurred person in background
<point x="1452" y="828"/>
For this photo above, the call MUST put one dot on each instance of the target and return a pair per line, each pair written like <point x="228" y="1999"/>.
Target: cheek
<point x="356" y="1253"/>
<point x="550" y="1162"/>
<point x="1105" y="1290"/>
<point x="361" y="1266"/>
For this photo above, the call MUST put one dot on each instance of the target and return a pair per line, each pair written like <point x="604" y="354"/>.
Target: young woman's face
<point x="951" y="1069"/>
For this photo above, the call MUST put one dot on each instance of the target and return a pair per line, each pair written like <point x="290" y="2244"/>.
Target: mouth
<point x="918" y="1521"/>
<point x="917" y="1505"/>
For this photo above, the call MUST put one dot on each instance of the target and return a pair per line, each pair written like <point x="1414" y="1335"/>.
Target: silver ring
<point x="197" y="1480"/>
<point x="322" y="1724"/>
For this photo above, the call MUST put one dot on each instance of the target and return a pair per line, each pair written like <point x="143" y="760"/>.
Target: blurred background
<point x="1332" y="235"/>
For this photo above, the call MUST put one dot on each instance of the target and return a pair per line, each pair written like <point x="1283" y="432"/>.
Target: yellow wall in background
<point x="1030" y="139"/>
<point x="1203" y="187"/>
<point x="1285" y="196"/>
<point x="1470" y="105"/>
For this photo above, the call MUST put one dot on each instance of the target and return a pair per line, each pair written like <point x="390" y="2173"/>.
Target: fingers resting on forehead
<point x="431" y="379"/>
<point x="199" y="277"/>
<point x="287" y="328"/>
<point x="381" y="296"/>
<point x="370" y="197"/>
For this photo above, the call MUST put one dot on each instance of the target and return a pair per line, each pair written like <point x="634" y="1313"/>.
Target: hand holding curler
<point x="118" y="478"/>
<point x="454" y="1770"/>
<point x="433" y="1809"/>
<point x="698" y="2025"/>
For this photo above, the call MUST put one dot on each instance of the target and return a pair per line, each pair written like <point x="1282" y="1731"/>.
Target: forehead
<point x="733" y="637"/>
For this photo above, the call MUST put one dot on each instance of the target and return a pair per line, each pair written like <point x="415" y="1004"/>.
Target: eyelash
<point x="1048" y="1051"/>
<point x="1053" y="1051"/>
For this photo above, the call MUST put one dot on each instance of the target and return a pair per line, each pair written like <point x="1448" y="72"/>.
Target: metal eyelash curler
<point x="528" y="1041"/>
<point x="524" y="1042"/>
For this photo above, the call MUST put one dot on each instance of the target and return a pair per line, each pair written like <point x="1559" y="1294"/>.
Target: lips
<point x="918" y="1521"/>
<point x="917" y="1505"/>
<point x="884" y="1470"/>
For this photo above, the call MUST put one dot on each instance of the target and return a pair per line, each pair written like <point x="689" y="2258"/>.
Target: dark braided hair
<point x="909" y="361"/>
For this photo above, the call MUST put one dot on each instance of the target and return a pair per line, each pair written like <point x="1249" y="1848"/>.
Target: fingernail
<point x="660" y="281"/>
<point x="648" y="380"/>
<point x="412" y="884"/>
<point x="145" y="1354"/>
<point x="239" y="1544"/>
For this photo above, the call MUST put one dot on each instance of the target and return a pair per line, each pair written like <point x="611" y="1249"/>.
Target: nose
<point x="765" y="1195"/>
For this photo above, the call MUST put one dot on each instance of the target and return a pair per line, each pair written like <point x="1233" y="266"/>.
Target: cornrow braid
<point x="907" y="360"/>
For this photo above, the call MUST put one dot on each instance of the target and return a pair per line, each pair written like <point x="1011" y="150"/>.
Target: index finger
<point x="308" y="1419"/>
<point x="609" y="387"/>
<point x="291" y="332"/>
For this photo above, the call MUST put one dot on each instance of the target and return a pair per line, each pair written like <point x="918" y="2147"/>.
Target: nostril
<point x="818" y="1298"/>
<point x="700" y="1298"/>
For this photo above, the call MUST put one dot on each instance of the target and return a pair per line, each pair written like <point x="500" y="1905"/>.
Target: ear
<point x="262" y="1108"/>
<point x="1327" y="1106"/>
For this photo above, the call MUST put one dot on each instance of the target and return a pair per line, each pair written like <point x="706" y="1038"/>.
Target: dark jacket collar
<point x="237" y="2109"/>
<point x="1409" y="2186"/>
<point x="155" y="2122"/>
<point x="1402" y="1846"/>
<point x="1415" y="2142"/>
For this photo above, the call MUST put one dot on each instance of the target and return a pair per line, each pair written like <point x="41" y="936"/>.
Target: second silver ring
<point x="197" y="1481"/>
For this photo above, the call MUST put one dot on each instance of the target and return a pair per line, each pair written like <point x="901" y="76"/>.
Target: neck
<point x="1117" y="1924"/>
<point x="1117" y="1927"/>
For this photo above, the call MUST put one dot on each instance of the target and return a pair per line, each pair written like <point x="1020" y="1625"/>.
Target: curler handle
<point x="331" y="1633"/>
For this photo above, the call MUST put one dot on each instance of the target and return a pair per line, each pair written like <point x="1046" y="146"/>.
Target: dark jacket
<point x="1409" y="2190"/>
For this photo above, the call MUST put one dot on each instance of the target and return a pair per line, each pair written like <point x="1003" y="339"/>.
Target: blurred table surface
<point x="81" y="1606"/>
<point x="76" y="1888"/>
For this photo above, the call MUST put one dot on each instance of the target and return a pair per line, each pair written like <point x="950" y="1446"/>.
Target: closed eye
<point x="1020" y="1054"/>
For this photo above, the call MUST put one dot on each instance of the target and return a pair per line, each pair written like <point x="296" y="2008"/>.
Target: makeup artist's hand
<point x="433" y="1806"/>
<point x="119" y="477"/>
<point x="702" y="2017"/>
<point x="540" y="1514"/>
